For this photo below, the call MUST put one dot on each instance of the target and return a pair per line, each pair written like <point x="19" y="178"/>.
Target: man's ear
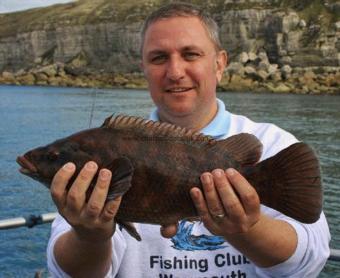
<point x="221" y="63"/>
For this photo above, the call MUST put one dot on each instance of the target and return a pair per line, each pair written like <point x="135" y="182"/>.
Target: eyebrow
<point x="192" y="47"/>
<point x="185" y="48"/>
<point x="156" y="52"/>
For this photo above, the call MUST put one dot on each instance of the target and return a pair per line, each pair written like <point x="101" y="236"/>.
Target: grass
<point x="98" y="11"/>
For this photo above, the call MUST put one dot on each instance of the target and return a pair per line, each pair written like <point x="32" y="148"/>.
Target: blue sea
<point x="33" y="116"/>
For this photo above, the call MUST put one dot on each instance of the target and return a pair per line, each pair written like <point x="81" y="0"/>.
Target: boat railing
<point x="34" y="220"/>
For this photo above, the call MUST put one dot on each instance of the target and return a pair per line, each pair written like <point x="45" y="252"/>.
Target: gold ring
<point x="219" y="216"/>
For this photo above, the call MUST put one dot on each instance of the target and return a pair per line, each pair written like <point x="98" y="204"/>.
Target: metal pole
<point x="34" y="220"/>
<point x="29" y="221"/>
<point x="335" y="255"/>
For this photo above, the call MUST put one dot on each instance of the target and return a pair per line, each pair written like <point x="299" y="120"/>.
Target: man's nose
<point x="176" y="69"/>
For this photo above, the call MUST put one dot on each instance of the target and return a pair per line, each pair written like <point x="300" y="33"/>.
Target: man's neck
<point x="192" y="122"/>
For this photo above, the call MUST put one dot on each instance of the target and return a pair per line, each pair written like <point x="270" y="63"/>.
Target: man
<point x="183" y="62"/>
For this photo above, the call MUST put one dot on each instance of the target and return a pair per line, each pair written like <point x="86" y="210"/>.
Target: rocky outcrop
<point x="59" y="74"/>
<point x="108" y="47"/>
<point x="254" y="72"/>
<point x="101" y="38"/>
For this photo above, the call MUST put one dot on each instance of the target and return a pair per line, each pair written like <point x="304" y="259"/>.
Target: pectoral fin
<point x="122" y="171"/>
<point x="130" y="228"/>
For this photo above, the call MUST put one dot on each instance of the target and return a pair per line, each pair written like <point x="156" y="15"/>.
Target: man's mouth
<point x="177" y="90"/>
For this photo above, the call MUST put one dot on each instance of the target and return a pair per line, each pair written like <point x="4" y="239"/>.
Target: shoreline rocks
<point x="254" y="72"/>
<point x="248" y="72"/>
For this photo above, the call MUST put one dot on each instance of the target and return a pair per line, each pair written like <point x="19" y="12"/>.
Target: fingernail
<point x="91" y="165"/>
<point x="69" y="166"/>
<point x="104" y="174"/>
<point x="194" y="193"/>
<point x="205" y="178"/>
<point x="218" y="173"/>
<point x="230" y="172"/>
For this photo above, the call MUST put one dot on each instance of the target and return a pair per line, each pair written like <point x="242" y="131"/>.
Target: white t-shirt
<point x="194" y="252"/>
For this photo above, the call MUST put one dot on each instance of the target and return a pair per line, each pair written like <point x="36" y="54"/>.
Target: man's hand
<point x="92" y="220"/>
<point x="230" y="207"/>
<point x="228" y="204"/>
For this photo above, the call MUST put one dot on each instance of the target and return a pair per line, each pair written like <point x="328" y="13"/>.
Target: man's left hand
<point x="228" y="204"/>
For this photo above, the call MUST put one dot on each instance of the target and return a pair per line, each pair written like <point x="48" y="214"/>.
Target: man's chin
<point x="178" y="111"/>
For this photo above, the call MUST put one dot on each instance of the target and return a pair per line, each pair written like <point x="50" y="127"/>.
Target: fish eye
<point x="52" y="155"/>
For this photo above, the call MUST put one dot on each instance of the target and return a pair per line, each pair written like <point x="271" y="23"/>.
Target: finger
<point x="59" y="184"/>
<point x="98" y="196"/>
<point x="110" y="209"/>
<point x="247" y="194"/>
<point x="169" y="230"/>
<point x="201" y="207"/>
<point x="77" y="193"/>
<point x="211" y="196"/>
<point x="229" y="198"/>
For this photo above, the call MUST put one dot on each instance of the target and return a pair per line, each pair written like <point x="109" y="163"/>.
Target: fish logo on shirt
<point x="185" y="240"/>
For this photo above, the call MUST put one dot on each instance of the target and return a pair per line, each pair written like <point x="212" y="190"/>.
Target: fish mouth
<point x="27" y="167"/>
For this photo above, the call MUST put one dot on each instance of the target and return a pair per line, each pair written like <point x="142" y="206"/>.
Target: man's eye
<point x="159" y="59"/>
<point x="190" y="56"/>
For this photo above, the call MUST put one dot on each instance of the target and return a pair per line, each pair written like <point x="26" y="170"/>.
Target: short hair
<point x="178" y="9"/>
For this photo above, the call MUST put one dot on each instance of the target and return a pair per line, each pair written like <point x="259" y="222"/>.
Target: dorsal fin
<point x="149" y="128"/>
<point x="244" y="148"/>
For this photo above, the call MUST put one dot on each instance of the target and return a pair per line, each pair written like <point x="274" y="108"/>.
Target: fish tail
<point x="290" y="182"/>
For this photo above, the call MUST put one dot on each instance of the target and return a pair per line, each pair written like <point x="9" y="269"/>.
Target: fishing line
<point x="94" y="97"/>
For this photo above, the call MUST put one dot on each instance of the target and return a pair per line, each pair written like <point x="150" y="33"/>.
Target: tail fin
<point x="290" y="182"/>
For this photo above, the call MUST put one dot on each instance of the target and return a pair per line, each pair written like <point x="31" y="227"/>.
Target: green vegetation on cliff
<point x="98" y="11"/>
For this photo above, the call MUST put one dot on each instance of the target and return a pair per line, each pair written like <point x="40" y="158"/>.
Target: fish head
<point x="42" y="163"/>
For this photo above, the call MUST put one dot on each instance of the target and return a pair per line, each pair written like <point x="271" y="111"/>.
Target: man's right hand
<point x="92" y="220"/>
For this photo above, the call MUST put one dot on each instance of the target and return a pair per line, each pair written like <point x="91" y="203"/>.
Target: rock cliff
<point x="88" y="37"/>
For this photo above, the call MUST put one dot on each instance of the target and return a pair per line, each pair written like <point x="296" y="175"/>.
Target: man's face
<point x="182" y="67"/>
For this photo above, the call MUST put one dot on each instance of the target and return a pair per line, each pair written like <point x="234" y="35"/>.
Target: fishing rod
<point x="29" y="221"/>
<point x="33" y="220"/>
<point x="94" y="98"/>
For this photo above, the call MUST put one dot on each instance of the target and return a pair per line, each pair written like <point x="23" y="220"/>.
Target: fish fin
<point x="107" y="121"/>
<point x="156" y="130"/>
<point x="130" y="228"/>
<point x="290" y="182"/>
<point x="122" y="171"/>
<point x="245" y="148"/>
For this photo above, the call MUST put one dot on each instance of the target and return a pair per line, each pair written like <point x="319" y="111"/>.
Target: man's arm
<point x="85" y="250"/>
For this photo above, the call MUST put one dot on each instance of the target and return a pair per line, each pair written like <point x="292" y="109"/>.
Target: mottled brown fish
<point x="155" y="164"/>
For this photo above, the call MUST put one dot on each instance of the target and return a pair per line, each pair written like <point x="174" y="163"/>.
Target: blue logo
<point x="185" y="240"/>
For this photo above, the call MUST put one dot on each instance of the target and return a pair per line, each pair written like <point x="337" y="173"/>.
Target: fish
<point x="155" y="164"/>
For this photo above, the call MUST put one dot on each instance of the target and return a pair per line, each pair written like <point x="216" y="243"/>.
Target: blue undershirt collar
<point x="218" y="128"/>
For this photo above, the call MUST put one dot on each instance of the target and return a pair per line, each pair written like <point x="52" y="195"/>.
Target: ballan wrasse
<point x="154" y="165"/>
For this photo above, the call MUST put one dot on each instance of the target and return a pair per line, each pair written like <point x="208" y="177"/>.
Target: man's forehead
<point x="189" y="32"/>
<point x="182" y="22"/>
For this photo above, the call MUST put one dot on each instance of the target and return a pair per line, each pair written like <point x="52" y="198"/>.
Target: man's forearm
<point x="80" y="258"/>
<point x="268" y="243"/>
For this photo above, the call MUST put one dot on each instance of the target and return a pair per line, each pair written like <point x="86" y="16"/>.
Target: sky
<point x="7" y="6"/>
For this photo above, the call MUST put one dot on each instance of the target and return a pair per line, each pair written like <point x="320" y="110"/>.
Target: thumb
<point x="169" y="231"/>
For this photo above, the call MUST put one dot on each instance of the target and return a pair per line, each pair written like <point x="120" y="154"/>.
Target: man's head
<point x="184" y="10"/>
<point x="183" y="63"/>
